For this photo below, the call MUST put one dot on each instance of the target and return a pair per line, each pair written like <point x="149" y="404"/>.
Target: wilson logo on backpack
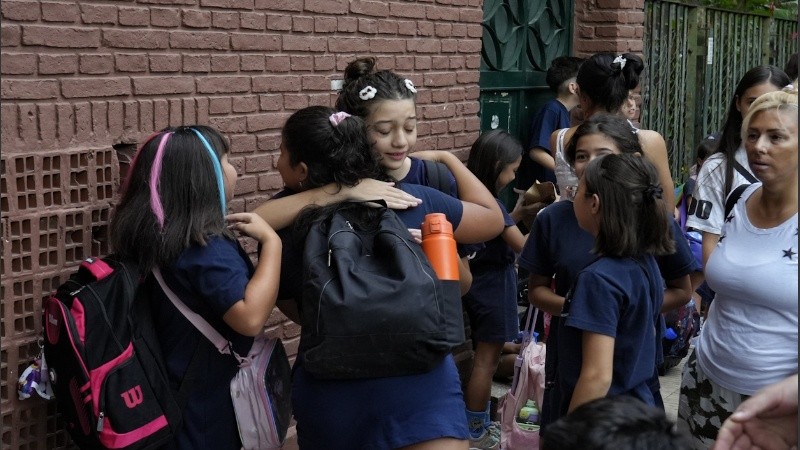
<point x="105" y="364"/>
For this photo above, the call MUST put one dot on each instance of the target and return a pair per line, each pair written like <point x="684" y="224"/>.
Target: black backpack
<point x="372" y="305"/>
<point x="105" y="363"/>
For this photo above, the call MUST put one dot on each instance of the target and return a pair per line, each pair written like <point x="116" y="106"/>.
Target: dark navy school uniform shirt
<point x="620" y="298"/>
<point x="209" y="280"/>
<point x="418" y="174"/>
<point x="558" y="246"/>
<point x="553" y="116"/>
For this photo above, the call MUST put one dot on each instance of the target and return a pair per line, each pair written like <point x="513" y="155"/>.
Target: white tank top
<point x="566" y="179"/>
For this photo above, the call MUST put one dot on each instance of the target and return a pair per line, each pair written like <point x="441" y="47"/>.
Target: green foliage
<point x="786" y="9"/>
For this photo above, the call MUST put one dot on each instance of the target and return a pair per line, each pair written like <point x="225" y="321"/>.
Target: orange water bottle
<point x="440" y="246"/>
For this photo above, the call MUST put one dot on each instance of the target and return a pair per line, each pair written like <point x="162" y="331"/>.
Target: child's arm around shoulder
<point x="249" y="315"/>
<point x="281" y="212"/>
<point x="482" y="218"/>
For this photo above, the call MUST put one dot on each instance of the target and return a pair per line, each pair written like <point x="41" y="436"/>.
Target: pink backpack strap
<point x="219" y="341"/>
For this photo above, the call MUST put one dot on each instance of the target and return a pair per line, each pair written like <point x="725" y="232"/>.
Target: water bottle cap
<point x="436" y="223"/>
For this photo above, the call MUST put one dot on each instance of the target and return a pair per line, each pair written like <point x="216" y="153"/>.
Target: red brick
<point x="387" y="27"/>
<point x="29" y="89"/>
<point x="280" y="5"/>
<point x="96" y="64"/>
<point x="199" y="40"/>
<point x="135" y="17"/>
<point x="425" y="29"/>
<point x="303" y="63"/>
<point x="245" y="104"/>
<point x="387" y="45"/>
<point x="370" y="8"/>
<point x="430" y="112"/>
<point x="253" y="21"/>
<point x="474" y="16"/>
<point x="254" y="63"/>
<point x="60" y="37"/>
<point x="275" y="83"/>
<point x="305" y="44"/>
<point x="302" y="24"/>
<point x="95" y="87"/>
<point x="277" y="22"/>
<point x="60" y="12"/>
<point x="269" y="142"/>
<point x="427" y="46"/>
<point x="223" y="85"/>
<point x="405" y="10"/>
<point x="347" y="45"/>
<point x="270" y="181"/>
<point x="224" y="63"/>
<point x="614" y="31"/>
<point x="325" y="63"/>
<point x="367" y="26"/>
<point x="443" y="30"/>
<point x="225" y="19"/>
<point x="442" y="13"/>
<point x="243" y="143"/>
<point x="621" y="4"/>
<point x="229" y="124"/>
<point x="440" y="96"/>
<point x="255" y="42"/>
<point x="406" y="28"/>
<point x="346" y="24"/>
<point x="148" y="39"/>
<point x="196" y="63"/>
<point x="228" y="4"/>
<point x="169" y="2"/>
<point x="197" y="19"/>
<point x="165" y="17"/>
<point x="257" y="163"/>
<point x="458" y="30"/>
<point x="99" y="14"/>
<point x="19" y="11"/>
<point x="170" y="62"/>
<point x="315" y="83"/>
<point x="18" y="64"/>
<point x="10" y="35"/>
<point x="220" y="105"/>
<point x="474" y="31"/>
<point x="327" y="6"/>
<point x="469" y="46"/>
<point x="160" y="114"/>
<point x="271" y="102"/>
<point x="325" y="24"/>
<point x="294" y="102"/>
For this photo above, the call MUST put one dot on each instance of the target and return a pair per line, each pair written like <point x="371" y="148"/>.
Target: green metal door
<point x="520" y="39"/>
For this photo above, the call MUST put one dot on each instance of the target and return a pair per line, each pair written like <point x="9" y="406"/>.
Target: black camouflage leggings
<point x="703" y="405"/>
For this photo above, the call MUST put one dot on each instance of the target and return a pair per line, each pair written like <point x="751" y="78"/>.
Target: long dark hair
<point x="614" y="127"/>
<point x="634" y="219"/>
<point x="361" y="74"/>
<point x="171" y="198"/>
<point x="606" y="78"/>
<point x="731" y="131"/>
<point x="490" y="154"/>
<point x="338" y="154"/>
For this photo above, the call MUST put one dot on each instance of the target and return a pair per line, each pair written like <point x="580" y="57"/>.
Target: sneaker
<point x="494" y="429"/>
<point x="486" y="441"/>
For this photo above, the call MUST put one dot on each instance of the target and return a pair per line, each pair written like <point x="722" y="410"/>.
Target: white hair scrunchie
<point x="621" y="60"/>
<point x="410" y="86"/>
<point x="367" y="93"/>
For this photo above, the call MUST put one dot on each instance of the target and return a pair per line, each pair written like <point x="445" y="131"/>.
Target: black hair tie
<point x="653" y="191"/>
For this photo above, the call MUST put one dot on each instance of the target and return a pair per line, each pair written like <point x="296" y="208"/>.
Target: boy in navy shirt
<point x="554" y="115"/>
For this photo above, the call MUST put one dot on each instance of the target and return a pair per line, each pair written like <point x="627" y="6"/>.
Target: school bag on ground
<point x="260" y="390"/>
<point x="105" y="362"/>
<point x="372" y="305"/>
<point x="528" y="384"/>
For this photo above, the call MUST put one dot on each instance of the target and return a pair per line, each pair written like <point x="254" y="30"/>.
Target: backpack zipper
<point x="100" y="421"/>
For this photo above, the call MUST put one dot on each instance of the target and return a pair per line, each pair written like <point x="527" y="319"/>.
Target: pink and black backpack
<point x="105" y="363"/>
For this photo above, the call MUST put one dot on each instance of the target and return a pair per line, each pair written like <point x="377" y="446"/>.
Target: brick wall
<point x="83" y="82"/>
<point x="608" y="26"/>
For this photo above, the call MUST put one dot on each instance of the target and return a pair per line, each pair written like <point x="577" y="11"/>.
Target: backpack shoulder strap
<point x="744" y="172"/>
<point x="733" y="197"/>
<point x="437" y="175"/>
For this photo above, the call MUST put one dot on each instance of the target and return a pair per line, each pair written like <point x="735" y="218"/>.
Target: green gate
<point x="694" y="57"/>
<point x="520" y="39"/>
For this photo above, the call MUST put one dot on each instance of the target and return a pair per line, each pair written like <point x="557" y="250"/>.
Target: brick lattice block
<point x="22" y="303"/>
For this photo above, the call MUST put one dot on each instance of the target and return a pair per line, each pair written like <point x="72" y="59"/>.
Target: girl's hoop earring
<point x="300" y="183"/>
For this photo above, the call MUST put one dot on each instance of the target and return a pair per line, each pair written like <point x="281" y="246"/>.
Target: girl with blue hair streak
<point x="172" y="216"/>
